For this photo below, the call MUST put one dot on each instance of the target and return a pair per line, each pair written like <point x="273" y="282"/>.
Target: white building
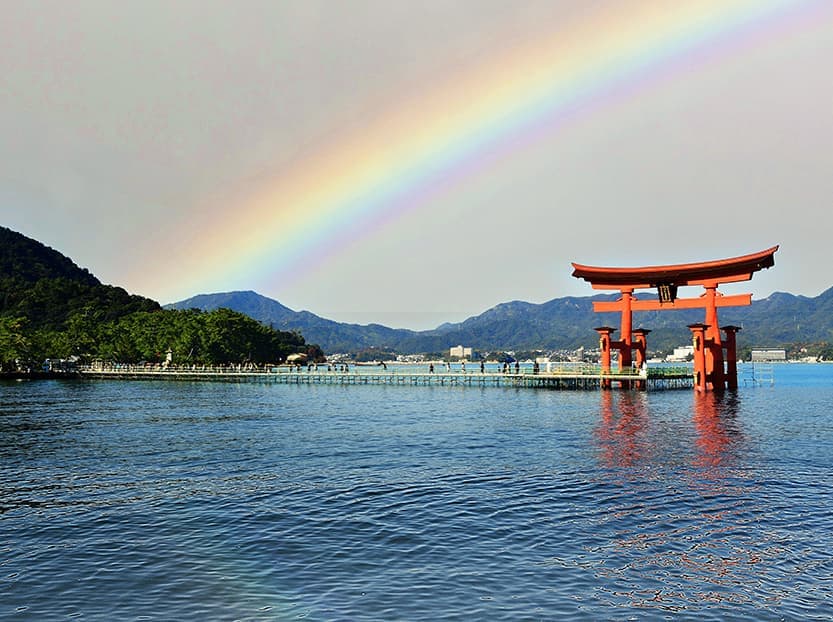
<point x="680" y="354"/>
<point x="769" y="355"/>
<point x="460" y="352"/>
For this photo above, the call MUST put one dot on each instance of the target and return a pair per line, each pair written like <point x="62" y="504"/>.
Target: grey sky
<point x="125" y="121"/>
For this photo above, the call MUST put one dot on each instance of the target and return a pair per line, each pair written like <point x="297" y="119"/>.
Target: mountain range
<point x="561" y="323"/>
<point x="47" y="290"/>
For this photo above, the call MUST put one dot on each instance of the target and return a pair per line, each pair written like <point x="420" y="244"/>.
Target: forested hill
<point x="46" y="288"/>
<point x="28" y="260"/>
<point x="51" y="308"/>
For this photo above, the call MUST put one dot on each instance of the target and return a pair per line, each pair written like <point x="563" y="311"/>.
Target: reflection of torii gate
<point x="709" y="372"/>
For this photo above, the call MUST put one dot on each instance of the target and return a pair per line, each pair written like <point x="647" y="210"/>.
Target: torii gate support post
<point x="714" y="351"/>
<point x="731" y="356"/>
<point x="640" y="340"/>
<point x="626" y="336"/>
<point x="698" y="339"/>
<point x="605" y="333"/>
<point x="625" y="333"/>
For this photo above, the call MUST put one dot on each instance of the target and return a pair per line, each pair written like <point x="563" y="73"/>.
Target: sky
<point x="414" y="163"/>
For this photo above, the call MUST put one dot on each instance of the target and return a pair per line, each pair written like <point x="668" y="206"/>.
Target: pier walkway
<point x="586" y="377"/>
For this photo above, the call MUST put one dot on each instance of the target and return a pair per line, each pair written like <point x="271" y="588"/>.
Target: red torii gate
<point x="709" y="372"/>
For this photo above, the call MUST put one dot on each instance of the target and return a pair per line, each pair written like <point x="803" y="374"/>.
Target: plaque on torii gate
<point x="709" y="371"/>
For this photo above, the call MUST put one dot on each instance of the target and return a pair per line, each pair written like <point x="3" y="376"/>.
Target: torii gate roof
<point x="722" y="270"/>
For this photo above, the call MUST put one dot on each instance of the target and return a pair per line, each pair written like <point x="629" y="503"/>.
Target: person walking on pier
<point x="482" y="368"/>
<point x="517" y="367"/>
<point x="431" y="368"/>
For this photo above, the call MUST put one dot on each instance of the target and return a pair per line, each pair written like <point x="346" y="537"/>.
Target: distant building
<point x="770" y="355"/>
<point x="681" y="354"/>
<point x="460" y="352"/>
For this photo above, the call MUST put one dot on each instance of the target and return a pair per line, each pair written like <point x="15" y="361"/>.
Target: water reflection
<point x="682" y="521"/>
<point x="719" y="436"/>
<point x="622" y="433"/>
<point x="631" y="431"/>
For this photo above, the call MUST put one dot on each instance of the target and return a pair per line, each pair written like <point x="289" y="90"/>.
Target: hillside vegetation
<point x="51" y="308"/>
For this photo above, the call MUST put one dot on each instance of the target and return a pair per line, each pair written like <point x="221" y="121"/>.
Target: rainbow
<point x="459" y="127"/>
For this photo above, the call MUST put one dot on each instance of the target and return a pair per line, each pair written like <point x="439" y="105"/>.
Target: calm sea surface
<point x="225" y="501"/>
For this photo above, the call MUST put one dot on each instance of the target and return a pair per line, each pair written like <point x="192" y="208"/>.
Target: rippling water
<point x="223" y="501"/>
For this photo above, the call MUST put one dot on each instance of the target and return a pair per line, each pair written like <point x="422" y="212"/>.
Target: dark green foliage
<point x="51" y="308"/>
<point x="50" y="302"/>
<point x="47" y="288"/>
<point x="14" y="339"/>
<point x="30" y="261"/>
<point x="193" y="337"/>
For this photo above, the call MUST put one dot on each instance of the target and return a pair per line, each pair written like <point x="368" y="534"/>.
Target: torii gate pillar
<point x="714" y="350"/>
<point x="625" y="333"/>
<point x="731" y="356"/>
<point x="698" y="340"/>
<point x="640" y="346"/>
<point x="605" y="342"/>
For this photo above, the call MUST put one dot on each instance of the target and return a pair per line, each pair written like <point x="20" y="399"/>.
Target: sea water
<point x="254" y="501"/>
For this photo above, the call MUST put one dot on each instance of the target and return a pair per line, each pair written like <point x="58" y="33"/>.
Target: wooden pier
<point x="571" y="379"/>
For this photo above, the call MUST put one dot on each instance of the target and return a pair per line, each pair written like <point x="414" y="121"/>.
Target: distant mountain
<point x="560" y="323"/>
<point x="330" y="335"/>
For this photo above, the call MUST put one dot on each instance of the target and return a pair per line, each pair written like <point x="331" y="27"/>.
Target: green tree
<point x="80" y="338"/>
<point x="14" y="344"/>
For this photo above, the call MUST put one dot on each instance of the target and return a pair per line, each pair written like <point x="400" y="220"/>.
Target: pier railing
<point x="665" y="371"/>
<point x="560" y="375"/>
<point x="561" y="369"/>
